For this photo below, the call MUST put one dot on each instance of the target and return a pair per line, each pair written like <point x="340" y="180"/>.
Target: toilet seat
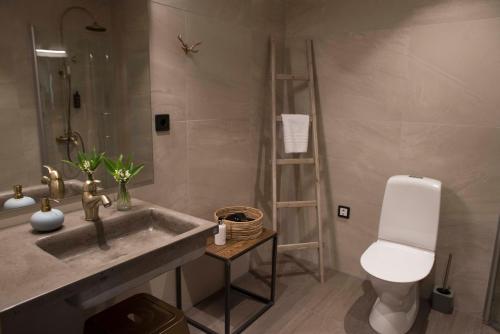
<point x="397" y="263"/>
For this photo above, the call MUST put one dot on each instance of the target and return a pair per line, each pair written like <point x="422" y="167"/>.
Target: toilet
<point x="404" y="252"/>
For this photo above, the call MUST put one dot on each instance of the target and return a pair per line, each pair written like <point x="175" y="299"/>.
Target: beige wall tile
<point x="370" y="141"/>
<point x="356" y="181"/>
<point x="225" y="49"/>
<point x="453" y="84"/>
<point x="207" y="8"/>
<point x="168" y="62"/>
<point x="170" y="169"/>
<point x="463" y="158"/>
<point x="214" y="98"/>
<point x="221" y="165"/>
<point x="364" y="75"/>
<point x="9" y="99"/>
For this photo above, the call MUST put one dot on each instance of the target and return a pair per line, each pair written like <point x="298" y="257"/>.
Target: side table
<point x="227" y="253"/>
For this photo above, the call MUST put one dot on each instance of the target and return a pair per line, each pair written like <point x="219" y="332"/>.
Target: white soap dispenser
<point x="19" y="200"/>
<point x="47" y="219"/>
<point x="220" y="238"/>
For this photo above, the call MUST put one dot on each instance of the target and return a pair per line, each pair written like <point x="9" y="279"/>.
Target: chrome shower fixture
<point x="92" y="27"/>
<point x="72" y="137"/>
<point x="95" y="27"/>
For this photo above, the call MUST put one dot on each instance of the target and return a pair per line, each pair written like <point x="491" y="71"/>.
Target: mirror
<point x="74" y="76"/>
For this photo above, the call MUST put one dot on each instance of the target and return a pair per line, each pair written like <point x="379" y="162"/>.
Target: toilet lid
<point x="397" y="263"/>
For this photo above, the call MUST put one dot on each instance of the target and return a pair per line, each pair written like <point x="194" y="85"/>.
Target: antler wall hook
<point x="186" y="48"/>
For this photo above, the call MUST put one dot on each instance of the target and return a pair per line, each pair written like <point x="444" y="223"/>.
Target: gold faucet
<point x="55" y="182"/>
<point x="91" y="201"/>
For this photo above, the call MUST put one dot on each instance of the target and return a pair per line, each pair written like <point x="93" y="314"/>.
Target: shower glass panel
<point x="80" y="81"/>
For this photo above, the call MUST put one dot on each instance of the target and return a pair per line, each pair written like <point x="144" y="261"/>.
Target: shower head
<point x="96" y="27"/>
<point x="93" y="27"/>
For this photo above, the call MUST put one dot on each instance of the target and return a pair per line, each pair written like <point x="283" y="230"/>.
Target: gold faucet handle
<point x="53" y="173"/>
<point x="91" y="186"/>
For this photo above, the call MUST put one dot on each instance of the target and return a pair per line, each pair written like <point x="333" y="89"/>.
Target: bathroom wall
<point x="407" y="87"/>
<point x="216" y="100"/>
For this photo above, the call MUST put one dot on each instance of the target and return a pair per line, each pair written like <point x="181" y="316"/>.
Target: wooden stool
<point x="139" y="314"/>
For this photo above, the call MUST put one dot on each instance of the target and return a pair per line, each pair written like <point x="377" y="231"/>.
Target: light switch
<point x="162" y="122"/>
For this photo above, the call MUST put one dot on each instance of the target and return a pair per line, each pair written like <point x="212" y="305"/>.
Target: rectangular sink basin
<point x="120" y="237"/>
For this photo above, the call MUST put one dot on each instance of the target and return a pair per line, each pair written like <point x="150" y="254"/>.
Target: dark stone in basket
<point x="239" y="217"/>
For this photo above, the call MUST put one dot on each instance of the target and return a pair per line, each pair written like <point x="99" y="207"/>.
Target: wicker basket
<point x="241" y="230"/>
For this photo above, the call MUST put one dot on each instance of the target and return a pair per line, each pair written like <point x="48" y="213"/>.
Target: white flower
<point x="85" y="167"/>
<point x="121" y="175"/>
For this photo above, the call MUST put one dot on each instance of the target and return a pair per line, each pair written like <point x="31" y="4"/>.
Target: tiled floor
<point x="340" y="305"/>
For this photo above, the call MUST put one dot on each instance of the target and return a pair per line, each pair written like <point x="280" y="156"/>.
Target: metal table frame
<point x="268" y="302"/>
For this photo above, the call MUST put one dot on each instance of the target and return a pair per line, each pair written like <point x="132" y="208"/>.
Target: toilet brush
<point x="442" y="297"/>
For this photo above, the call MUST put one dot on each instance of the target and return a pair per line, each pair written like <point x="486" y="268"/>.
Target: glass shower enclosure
<point x="74" y="92"/>
<point x="92" y="84"/>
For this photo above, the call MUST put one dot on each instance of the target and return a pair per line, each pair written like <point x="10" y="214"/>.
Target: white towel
<point x="295" y="133"/>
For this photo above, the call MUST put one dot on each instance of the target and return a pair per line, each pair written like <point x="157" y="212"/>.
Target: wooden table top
<point x="234" y="248"/>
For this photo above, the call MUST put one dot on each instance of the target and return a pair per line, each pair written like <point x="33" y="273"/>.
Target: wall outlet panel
<point x="343" y="211"/>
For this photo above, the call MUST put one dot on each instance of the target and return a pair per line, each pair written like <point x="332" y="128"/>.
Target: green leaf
<point x="136" y="170"/>
<point x="71" y="163"/>
<point x="80" y="158"/>
<point x="110" y="165"/>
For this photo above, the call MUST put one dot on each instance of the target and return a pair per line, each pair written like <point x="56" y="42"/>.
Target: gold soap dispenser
<point x="47" y="219"/>
<point x="19" y="200"/>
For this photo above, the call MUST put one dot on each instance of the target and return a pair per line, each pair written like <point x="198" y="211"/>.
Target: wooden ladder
<point x="276" y="119"/>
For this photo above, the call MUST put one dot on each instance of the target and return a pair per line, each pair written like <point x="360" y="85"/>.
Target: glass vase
<point x="123" y="201"/>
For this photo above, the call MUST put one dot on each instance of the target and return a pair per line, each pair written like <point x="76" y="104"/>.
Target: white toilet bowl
<point x="395" y="271"/>
<point x="404" y="253"/>
<point x="396" y="307"/>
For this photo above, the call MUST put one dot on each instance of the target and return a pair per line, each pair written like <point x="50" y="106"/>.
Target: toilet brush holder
<point x="442" y="297"/>
<point x="442" y="300"/>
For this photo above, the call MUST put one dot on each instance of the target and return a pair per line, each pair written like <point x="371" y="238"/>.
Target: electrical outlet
<point x="343" y="211"/>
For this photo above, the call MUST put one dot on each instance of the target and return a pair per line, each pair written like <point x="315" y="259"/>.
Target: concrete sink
<point x="117" y="238"/>
<point x="86" y="264"/>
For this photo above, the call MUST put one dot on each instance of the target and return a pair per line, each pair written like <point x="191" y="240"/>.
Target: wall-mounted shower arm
<point x="93" y="27"/>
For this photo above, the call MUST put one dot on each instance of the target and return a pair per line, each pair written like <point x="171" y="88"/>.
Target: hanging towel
<point x="295" y="133"/>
